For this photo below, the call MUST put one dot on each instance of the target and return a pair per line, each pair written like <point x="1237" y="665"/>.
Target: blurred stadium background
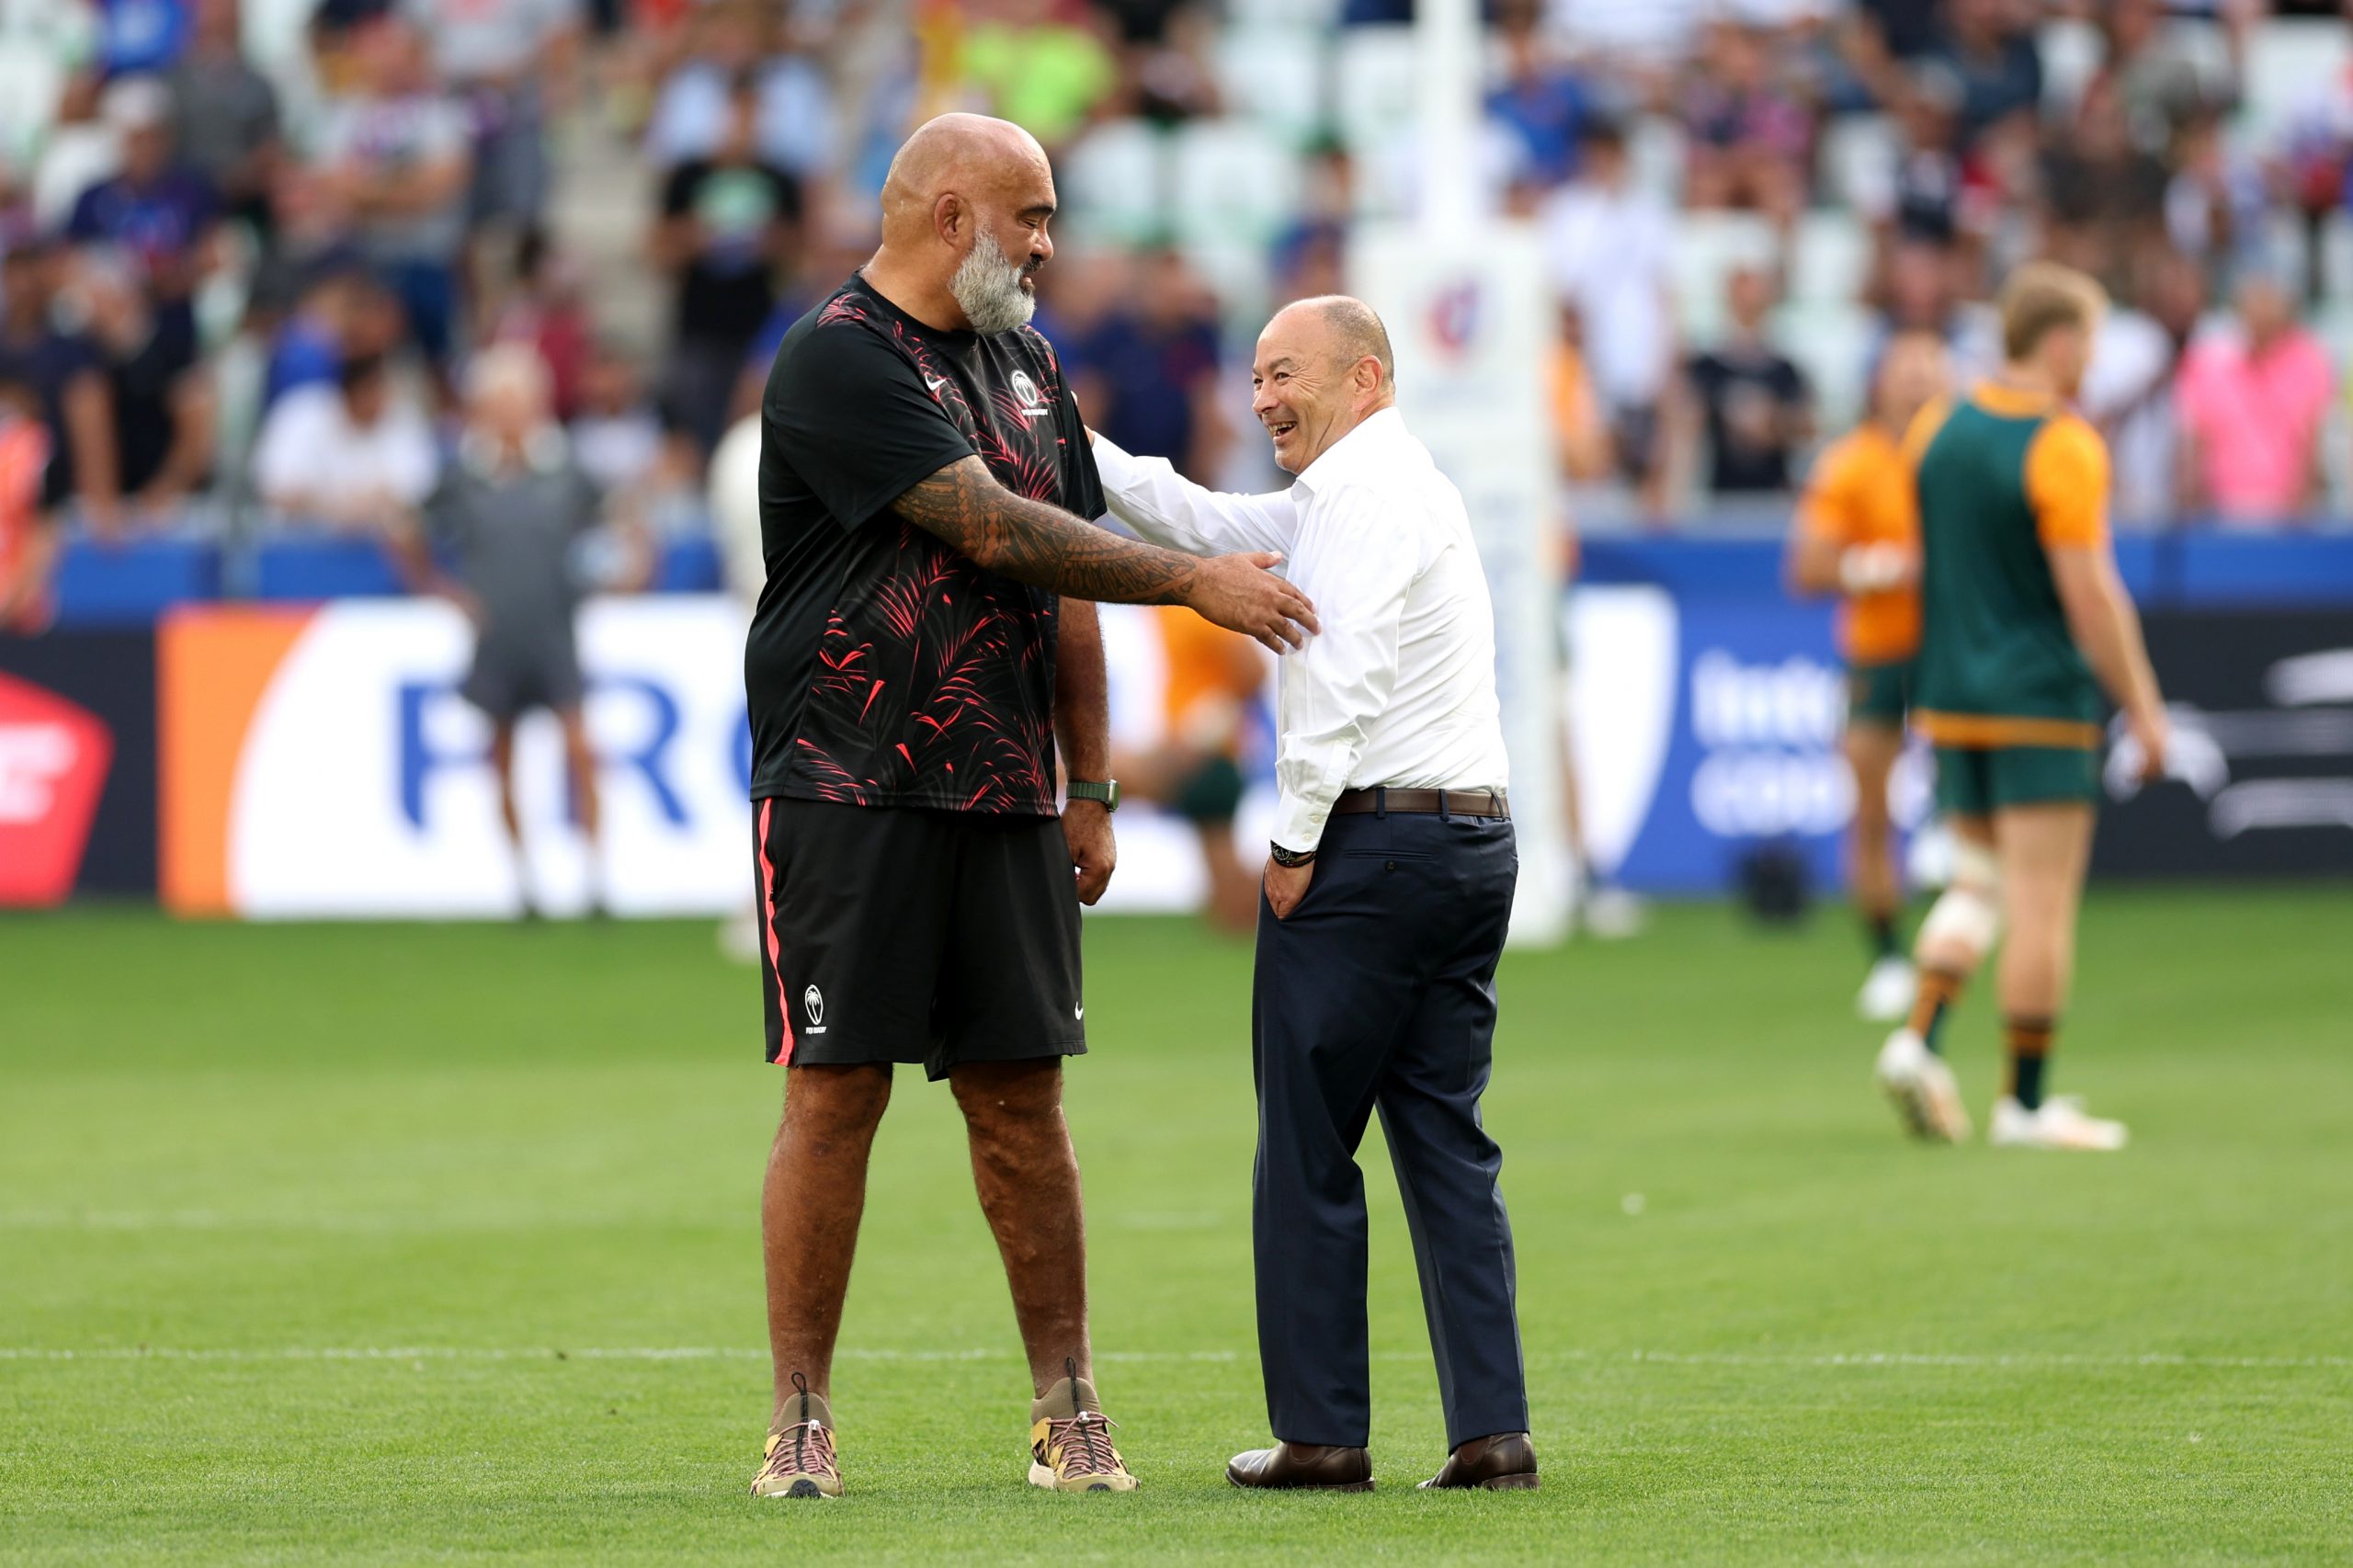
<point x="250" y="246"/>
<point x="382" y="1242"/>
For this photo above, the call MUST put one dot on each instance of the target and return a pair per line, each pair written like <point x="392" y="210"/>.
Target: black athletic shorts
<point x="511" y="676"/>
<point x="898" y="934"/>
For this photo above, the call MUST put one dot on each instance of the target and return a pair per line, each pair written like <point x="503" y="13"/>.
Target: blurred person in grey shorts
<point x="500" y="537"/>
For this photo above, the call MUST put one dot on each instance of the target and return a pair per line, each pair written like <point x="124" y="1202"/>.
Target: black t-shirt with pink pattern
<point x="884" y="669"/>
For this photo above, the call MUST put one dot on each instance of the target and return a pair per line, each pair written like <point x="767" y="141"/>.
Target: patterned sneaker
<point x="1070" y="1444"/>
<point x="800" y="1461"/>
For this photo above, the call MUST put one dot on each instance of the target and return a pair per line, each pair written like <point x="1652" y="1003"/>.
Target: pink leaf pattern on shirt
<point x="933" y="681"/>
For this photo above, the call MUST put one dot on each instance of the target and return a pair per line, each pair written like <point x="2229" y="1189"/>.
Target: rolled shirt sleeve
<point x="1167" y="509"/>
<point x="1357" y="554"/>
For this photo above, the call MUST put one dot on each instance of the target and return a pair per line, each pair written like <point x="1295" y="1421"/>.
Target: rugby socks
<point x="1880" y="929"/>
<point x="1939" y="989"/>
<point x="2029" y="1043"/>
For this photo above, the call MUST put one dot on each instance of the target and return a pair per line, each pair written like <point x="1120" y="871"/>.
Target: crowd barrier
<point x="137" y="582"/>
<point x="281" y="757"/>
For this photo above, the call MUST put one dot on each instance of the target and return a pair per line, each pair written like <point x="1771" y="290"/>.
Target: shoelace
<point x="1080" y="1437"/>
<point x="806" y="1435"/>
<point x="801" y="1431"/>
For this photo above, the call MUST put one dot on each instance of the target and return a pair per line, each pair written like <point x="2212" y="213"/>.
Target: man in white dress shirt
<point x="1388" y="887"/>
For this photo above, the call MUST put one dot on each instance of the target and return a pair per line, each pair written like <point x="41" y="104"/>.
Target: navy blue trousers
<point x="1378" y="992"/>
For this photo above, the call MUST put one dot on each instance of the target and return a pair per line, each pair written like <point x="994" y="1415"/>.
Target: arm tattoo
<point x="1042" y="545"/>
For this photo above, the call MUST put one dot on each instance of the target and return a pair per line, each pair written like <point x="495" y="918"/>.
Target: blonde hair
<point x="2043" y="297"/>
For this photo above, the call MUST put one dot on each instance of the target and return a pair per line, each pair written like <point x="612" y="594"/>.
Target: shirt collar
<point x="1377" y="434"/>
<point x="543" y="452"/>
<point x="2011" y="403"/>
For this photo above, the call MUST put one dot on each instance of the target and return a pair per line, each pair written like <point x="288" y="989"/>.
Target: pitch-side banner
<point x="319" y="762"/>
<point x="1708" y="727"/>
<point x="77" y="764"/>
<point x="2261" y="771"/>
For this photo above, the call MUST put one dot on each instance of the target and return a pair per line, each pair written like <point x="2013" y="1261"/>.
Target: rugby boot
<point x="1503" y="1463"/>
<point x="1888" y="988"/>
<point x="1921" y="1088"/>
<point x="1070" y="1440"/>
<point x="1303" y="1467"/>
<point x="801" y="1461"/>
<point x="2058" y="1123"/>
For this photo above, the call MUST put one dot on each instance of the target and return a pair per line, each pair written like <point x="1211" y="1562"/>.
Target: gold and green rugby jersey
<point x="2005" y="477"/>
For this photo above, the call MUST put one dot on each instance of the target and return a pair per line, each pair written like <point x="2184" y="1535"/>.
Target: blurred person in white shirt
<point x="355" y="456"/>
<point x="1611" y="245"/>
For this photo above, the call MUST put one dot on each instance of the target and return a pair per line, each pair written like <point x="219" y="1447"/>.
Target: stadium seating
<point x="1376" y="83"/>
<point x="331" y="568"/>
<point x="1275" y="76"/>
<point x="134" y="582"/>
<point x="1114" y="180"/>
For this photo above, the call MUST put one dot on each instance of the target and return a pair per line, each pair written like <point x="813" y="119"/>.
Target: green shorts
<point x="1977" y="781"/>
<point x="1878" y="694"/>
<point x="1211" y="794"/>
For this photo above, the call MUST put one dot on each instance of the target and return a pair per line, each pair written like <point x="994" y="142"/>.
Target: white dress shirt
<point x="1399" y="688"/>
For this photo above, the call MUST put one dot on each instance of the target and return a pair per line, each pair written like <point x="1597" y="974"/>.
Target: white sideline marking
<point x="400" y="1225"/>
<point x="2028" y="1360"/>
<point x="348" y="1224"/>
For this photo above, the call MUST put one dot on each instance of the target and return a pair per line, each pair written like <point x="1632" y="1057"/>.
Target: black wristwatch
<point x="1289" y="858"/>
<point x="1108" y="791"/>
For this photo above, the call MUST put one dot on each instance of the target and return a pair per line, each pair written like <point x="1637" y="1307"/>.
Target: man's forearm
<point x="1081" y="693"/>
<point x="2110" y="635"/>
<point x="1033" y="542"/>
<point x="2136" y="688"/>
<point x="1149" y="495"/>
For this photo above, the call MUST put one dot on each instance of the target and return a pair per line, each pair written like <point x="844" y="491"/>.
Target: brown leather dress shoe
<point x="1505" y="1462"/>
<point x="1310" y="1467"/>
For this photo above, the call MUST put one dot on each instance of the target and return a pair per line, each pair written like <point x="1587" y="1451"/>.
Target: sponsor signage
<point x="54" y="759"/>
<point x="319" y="762"/>
<point x="77" y="766"/>
<point x="1708" y="726"/>
<point x="2261" y="772"/>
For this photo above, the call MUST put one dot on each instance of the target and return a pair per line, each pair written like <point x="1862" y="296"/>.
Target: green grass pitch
<point x="400" y="1244"/>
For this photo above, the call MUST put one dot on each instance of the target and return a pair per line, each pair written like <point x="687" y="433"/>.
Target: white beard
<point x="987" y="286"/>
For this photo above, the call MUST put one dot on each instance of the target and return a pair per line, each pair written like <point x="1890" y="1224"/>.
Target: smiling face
<point x="1312" y="383"/>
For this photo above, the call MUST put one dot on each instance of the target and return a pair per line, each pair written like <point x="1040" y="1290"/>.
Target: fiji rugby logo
<point x="1026" y="398"/>
<point x="813" y="1002"/>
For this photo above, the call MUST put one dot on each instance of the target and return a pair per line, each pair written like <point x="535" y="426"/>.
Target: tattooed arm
<point x="1083" y="727"/>
<point x="1033" y="542"/>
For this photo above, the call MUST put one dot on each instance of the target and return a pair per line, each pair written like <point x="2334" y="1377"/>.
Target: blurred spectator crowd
<point x="250" y="248"/>
<point x="1741" y="200"/>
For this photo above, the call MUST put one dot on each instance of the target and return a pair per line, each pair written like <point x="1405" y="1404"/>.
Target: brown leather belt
<point x="1435" y="802"/>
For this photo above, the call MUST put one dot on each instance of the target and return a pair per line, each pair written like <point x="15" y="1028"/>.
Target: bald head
<point x="964" y="213"/>
<point x="1351" y="327"/>
<point x="967" y="155"/>
<point x="1323" y="366"/>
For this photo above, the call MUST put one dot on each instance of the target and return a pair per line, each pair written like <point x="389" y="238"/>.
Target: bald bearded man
<point x="923" y="638"/>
